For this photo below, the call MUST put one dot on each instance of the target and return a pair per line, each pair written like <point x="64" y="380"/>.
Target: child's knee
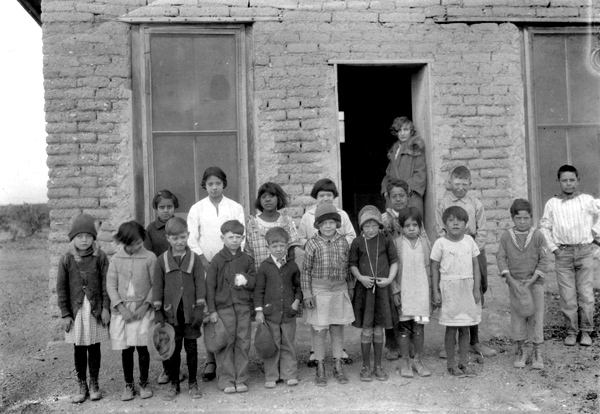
<point x="366" y="335"/>
<point x="378" y="335"/>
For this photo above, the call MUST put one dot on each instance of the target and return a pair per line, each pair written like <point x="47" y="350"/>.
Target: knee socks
<point x="377" y="348"/>
<point x="94" y="359"/>
<point x="474" y="333"/>
<point x="191" y="353"/>
<point x="80" y="356"/>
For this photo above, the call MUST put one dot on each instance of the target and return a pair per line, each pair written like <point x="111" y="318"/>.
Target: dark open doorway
<point x="370" y="98"/>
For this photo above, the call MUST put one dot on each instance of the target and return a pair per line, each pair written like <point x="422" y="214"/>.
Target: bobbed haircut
<point x="520" y="204"/>
<point x="233" y="226"/>
<point x="567" y="168"/>
<point x="277" y="234"/>
<point x="214" y="171"/>
<point x="399" y="122"/>
<point x="176" y="225"/>
<point x="129" y="232"/>
<point x="457" y="212"/>
<point x="164" y="195"/>
<point x="275" y="190"/>
<point x="396" y="182"/>
<point x="461" y="172"/>
<point x="410" y="213"/>
<point x="324" y="184"/>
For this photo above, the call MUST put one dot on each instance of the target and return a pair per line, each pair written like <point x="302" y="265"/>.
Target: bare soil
<point x="37" y="374"/>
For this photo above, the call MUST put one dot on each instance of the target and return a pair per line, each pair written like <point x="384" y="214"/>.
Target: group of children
<point x="386" y="281"/>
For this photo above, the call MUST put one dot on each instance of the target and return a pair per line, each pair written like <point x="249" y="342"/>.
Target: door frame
<point x="422" y="98"/>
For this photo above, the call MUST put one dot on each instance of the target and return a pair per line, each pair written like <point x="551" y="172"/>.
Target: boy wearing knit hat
<point x="84" y="303"/>
<point x="325" y="283"/>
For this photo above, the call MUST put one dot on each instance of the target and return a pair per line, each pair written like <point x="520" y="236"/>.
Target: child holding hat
<point x="373" y="262"/>
<point x="84" y="303"/>
<point x="325" y="282"/>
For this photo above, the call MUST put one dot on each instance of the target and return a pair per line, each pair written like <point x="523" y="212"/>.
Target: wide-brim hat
<point x="216" y="336"/>
<point x="263" y="342"/>
<point x="327" y="211"/>
<point x="369" y="213"/>
<point x="161" y="342"/>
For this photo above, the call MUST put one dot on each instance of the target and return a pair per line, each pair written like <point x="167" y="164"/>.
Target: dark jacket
<point x="279" y="288"/>
<point x="173" y="283"/>
<point x="221" y="291"/>
<point x="156" y="238"/>
<point x="84" y="278"/>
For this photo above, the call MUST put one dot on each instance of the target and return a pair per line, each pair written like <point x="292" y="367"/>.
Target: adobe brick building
<point x="144" y="95"/>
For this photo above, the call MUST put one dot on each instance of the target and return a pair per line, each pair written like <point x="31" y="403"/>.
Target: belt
<point x="566" y="246"/>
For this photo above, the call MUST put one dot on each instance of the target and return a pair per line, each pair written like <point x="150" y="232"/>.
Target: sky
<point x="23" y="170"/>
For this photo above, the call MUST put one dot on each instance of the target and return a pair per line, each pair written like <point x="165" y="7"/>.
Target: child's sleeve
<point x="546" y="226"/>
<point x="397" y="282"/>
<point x="211" y="285"/>
<point x="293" y="232"/>
<point x="501" y="256"/>
<point x="307" y="266"/>
<point x="353" y="254"/>
<point x="391" y="251"/>
<point x="112" y="284"/>
<point x="199" y="281"/>
<point x="482" y="232"/>
<point x="418" y="181"/>
<point x="62" y="289"/>
<point x="543" y="264"/>
<point x="158" y="283"/>
<point x="249" y="247"/>
<point x="193" y="223"/>
<point x="104" y="263"/>
<point x="250" y="274"/>
<point x="474" y="248"/>
<point x="436" y="251"/>
<point x="296" y="283"/>
<point x="259" y="289"/>
<point x="151" y="267"/>
<point x="426" y="255"/>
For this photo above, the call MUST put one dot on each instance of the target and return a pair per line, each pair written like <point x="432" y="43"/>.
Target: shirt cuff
<point x="540" y="273"/>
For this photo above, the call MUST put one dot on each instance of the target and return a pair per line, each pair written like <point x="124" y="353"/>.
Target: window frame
<point x="142" y="132"/>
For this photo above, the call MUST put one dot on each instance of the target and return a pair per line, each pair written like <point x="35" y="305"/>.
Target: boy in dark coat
<point x="276" y="297"/>
<point x="230" y="280"/>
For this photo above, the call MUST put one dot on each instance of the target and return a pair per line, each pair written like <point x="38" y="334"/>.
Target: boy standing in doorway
<point x="567" y="224"/>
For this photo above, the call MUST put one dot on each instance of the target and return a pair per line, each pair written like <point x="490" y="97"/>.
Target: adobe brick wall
<point x="478" y="97"/>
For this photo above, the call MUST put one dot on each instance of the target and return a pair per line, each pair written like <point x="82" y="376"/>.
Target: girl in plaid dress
<point x="84" y="303"/>
<point x="271" y="198"/>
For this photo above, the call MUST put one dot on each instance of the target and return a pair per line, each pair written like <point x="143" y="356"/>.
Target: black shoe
<point x="209" y="376"/>
<point x="311" y="362"/>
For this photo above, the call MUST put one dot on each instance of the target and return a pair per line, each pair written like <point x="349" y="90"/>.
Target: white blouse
<point x="204" y="224"/>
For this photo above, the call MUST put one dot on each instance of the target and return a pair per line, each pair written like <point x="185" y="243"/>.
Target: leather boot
<point x="420" y="367"/>
<point x="338" y="372"/>
<point x="82" y="394"/>
<point x="320" y="376"/>
<point x="95" y="393"/>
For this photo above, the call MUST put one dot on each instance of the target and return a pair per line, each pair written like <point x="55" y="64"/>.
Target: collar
<point x="187" y="264"/>
<point x="454" y="199"/>
<point x="335" y="238"/>
<point x="159" y="224"/>
<point x="277" y="261"/>
<point x="513" y="236"/>
<point x="93" y="251"/>
<point x="228" y="256"/>
<point x="565" y="197"/>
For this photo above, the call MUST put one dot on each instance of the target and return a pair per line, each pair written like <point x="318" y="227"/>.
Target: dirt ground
<point x="37" y="374"/>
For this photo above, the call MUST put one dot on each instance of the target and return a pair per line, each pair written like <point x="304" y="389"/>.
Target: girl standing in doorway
<point x="407" y="161"/>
